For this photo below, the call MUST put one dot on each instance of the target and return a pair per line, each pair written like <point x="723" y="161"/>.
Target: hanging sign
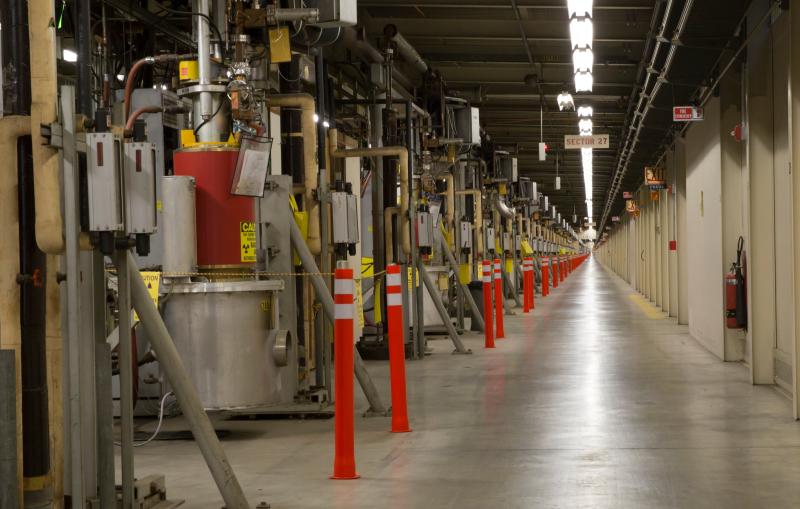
<point x="615" y="219"/>
<point x="575" y="141"/>
<point x="631" y="206"/>
<point x="687" y="114"/>
<point x="655" y="177"/>
<point x="626" y="195"/>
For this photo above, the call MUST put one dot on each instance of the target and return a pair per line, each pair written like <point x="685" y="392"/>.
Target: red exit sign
<point x="687" y="114"/>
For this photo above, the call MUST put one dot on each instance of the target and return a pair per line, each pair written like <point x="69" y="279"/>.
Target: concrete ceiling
<point x="478" y="47"/>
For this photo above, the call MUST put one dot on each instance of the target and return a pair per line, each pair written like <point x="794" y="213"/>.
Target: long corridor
<point x="593" y="400"/>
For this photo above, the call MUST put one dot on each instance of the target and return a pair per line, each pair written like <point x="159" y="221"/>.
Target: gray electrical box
<point x="344" y="218"/>
<point x="352" y="219"/>
<point x="490" y="244"/>
<point x="514" y="170"/>
<point x="424" y="229"/>
<point x="507" y="242"/>
<point x="140" y="188"/>
<point x="468" y="125"/>
<point x="339" y="217"/>
<point x="335" y="13"/>
<point x="104" y="182"/>
<point x="466" y="236"/>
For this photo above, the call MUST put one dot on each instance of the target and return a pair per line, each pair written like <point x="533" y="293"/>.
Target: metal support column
<point x="417" y="311"/>
<point x="325" y="298"/>
<point x="71" y="228"/>
<point x="126" y="377"/>
<point x="187" y="397"/>
<point x="433" y="291"/>
<point x="473" y="307"/>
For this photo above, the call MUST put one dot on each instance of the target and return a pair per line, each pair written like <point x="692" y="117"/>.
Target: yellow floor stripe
<point x="647" y="308"/>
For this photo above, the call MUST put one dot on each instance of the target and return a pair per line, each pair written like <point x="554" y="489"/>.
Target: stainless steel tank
<point x="179" y="224"/>
<point x="225" y="334"/>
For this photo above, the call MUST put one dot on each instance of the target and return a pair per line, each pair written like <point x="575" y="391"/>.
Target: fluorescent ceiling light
<point x="69" y="56"/>
<point x="581" y="33"/>
<point x="565" y="101"/>
<point x="121" y="77"/>
<point x="583" y="81"/>
<point x="582" y="60"/>
<point x="579" y="8"/>
<point x="585" y="111"/>
<point x="585" y="126"/>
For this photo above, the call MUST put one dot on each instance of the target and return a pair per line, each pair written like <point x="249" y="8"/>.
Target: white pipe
<point x="204" y="57"/>
<point x="44" y="109"/>
<point x="402" y="154"/>
<point x="305" y="103"/>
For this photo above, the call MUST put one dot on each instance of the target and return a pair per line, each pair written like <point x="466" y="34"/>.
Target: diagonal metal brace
<point x="324" y="295"/>
<point x="437" y="301"/>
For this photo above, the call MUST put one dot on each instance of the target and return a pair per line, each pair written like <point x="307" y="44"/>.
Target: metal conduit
<point x="640" y="113"/>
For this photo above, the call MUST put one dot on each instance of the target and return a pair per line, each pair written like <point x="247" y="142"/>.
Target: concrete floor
<point x="594" y="400"/>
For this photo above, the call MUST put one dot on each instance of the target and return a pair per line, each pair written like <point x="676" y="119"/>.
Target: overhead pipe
<point x="353" y="42"/>
<point x="647" y="99"/>
<point x="130" y="79"/>
<point x="503" y="208"/>
<point x="402" y="154"/>
<point x="405" y="48"/>
<point x="307" y="106"/>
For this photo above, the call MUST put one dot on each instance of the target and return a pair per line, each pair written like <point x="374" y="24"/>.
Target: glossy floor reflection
<point x="592" y="401"/>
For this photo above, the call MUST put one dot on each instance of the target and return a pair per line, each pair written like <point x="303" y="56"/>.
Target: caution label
<point x="152" y="280"/>
<point x="247" y="238"/>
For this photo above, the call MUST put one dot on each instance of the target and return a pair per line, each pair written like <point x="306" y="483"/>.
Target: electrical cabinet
<point x="140" y="188"/>
<point x="104" y="182"/>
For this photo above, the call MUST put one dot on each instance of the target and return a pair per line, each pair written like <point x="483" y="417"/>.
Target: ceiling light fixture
<point x="581" y="33"/>
<point x="585" y="111"/>
<point x="584" y="81"/>
<point x="565" y="101"/>
<point x="582" y="60"/>
<point x="69" y="56"/>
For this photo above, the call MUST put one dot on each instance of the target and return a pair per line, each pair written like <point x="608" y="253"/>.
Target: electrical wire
<point x="209" y="119"/>
<point x="158" y="427"/>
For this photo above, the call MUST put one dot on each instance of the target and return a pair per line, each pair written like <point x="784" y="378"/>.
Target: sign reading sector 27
<point x="575" y="142"/>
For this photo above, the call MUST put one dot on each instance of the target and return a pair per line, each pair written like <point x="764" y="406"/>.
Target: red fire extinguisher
<point x="736" y="291"/>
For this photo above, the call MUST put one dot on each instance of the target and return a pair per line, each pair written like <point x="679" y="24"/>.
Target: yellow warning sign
<point x="152" y="280"/>
<point x="247" y="238"/>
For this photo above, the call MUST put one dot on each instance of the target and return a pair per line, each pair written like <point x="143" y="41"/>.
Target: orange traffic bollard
<point x="499" y="298"/>
<point x="487" y="305"/>
<point x="562" y="269"/>
<point x="344" y="463"/>
<point x="532" y="278"/>
<point x="555" y="267"/>
<point x="527" y="270"/>
<point x="545" y="277"/>
<point x="397" y="352"/>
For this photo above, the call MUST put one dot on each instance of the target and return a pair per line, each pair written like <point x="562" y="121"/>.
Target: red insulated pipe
<point x="397" y="352"/>
<point x="344" y="463"/>
<point x="138" y="113"/>
<point x="130" y="79"/>
<point x="487" y="305"/>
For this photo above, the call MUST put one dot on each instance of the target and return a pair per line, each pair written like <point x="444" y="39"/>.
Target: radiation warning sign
<point x="247" y="237"/>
